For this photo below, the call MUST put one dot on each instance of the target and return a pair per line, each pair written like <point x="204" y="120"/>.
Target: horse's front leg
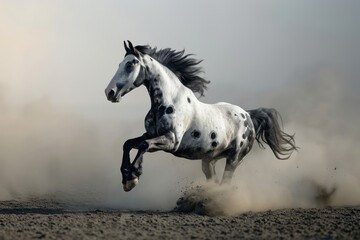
<point x="164" y="142"/>
<point x="126" y="164"/>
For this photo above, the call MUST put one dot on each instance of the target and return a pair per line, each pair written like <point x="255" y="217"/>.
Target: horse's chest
<point x="160" y="120"/>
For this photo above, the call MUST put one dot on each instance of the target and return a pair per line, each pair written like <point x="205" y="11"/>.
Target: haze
<point x="60" y="136"/>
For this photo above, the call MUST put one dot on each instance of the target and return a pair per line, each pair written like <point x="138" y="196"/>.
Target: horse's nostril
<point x="111" y="94"/>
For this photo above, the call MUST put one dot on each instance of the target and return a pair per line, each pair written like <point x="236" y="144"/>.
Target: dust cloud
<point x="321" y="110"/>
<point x="50" y="151"/>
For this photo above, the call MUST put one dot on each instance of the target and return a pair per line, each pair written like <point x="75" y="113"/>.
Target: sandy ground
<point x="50" y="219"/>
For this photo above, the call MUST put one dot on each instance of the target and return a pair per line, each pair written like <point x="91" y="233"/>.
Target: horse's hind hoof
<point x="130" y="184"/>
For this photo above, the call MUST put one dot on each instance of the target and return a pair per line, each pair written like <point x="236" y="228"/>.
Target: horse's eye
<point x="128" y="67"/>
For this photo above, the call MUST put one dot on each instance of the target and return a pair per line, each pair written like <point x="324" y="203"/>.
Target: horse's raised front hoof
<point x="130" y="184"/>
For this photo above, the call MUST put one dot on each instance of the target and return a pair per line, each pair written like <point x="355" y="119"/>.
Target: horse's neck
<point x="162" y="84"/>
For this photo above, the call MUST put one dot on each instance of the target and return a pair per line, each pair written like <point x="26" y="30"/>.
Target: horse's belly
<point x="194" y="153"/>
<point x="203" y="144"/>
<point x="202" y="151"/>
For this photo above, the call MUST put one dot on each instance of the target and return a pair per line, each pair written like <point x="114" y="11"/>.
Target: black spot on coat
<point x="195" y="134"/>
<point x="169" y="110"/>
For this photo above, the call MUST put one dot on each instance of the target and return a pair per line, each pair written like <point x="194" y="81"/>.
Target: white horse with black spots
<point x="180" y="124"/>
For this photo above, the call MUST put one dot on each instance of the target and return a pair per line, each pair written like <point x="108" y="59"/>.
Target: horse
<point x="180" y="124"/>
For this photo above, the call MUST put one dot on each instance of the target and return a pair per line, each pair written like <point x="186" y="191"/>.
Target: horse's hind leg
<point x="232" y="162"/>
<point x="208" y="167"/>
<point x="247" y="136"/>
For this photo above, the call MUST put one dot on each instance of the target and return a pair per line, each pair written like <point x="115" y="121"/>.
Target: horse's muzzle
<point x="112" y="96"/>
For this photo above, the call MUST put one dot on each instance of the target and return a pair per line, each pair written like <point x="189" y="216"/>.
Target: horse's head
<point x="130" y="74"/>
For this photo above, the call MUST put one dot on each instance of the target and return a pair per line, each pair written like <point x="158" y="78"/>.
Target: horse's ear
<point x="131" y="49"/>
<point x="126" y="48"/>
<point x="131" y="46"/>
<point x="134" y="50"/>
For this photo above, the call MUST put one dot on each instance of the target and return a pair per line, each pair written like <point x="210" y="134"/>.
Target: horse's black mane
<point x="182" y="65"/>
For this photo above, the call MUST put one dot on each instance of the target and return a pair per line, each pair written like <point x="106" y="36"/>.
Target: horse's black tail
<point x="268" y="130"/>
